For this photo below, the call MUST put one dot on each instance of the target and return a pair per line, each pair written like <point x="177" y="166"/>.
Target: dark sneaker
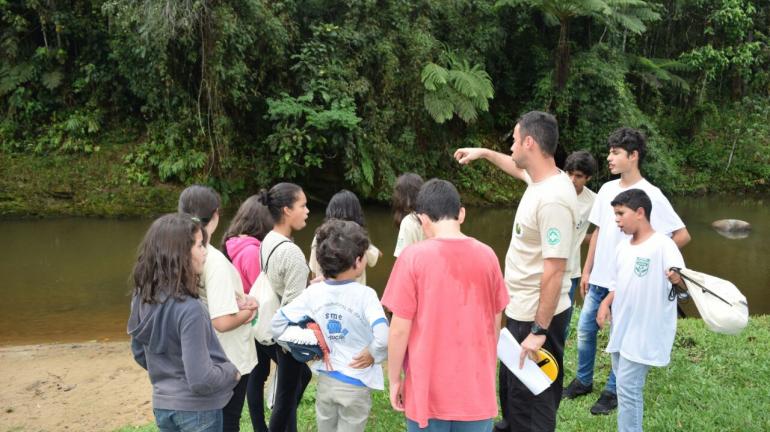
<point x="502" y="426"/>
<point x="606" y="403"/>
<point x="575" y="389"/>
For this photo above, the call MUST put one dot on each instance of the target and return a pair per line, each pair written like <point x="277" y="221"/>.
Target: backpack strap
<point x="264" y="267"/>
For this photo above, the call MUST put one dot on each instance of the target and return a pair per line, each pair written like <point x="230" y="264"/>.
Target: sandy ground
<point x="92" y="386"/>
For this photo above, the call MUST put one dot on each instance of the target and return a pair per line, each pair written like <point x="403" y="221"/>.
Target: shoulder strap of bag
<point x="264" y="267"/>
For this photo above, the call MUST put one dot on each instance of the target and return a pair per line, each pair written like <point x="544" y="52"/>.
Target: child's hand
<point x="674" y="277"/>
<point x="247" y="302"/>
<point x="363" y="360"/>
<point x="397" y="395"/>
<point x="603" y="315"/>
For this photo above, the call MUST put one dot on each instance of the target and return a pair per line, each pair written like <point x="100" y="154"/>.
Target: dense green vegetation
<point x="241" y="93"/>
<point x="714" y="383"/>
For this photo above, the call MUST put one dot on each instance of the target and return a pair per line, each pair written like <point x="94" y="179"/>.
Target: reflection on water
<point x="67" y="279"/>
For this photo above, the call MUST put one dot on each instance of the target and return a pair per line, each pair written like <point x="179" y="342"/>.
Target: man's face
<point x="619" y="160"/>
<point x="517" y="149"/>
<point x="627" y="219"/>
<point x="579" y="180"/>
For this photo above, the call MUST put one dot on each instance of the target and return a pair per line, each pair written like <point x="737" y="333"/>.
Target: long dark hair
<point x="279" y="196"/>
<point x="405" y="195"/>
<point x="164" y="263"/>
<point x="344" y="205"/>
<point x="252" y="219"/>
<point x="199" y="201"/>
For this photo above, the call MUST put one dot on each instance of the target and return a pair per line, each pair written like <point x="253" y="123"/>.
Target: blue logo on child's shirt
<point x="336" y="332"/>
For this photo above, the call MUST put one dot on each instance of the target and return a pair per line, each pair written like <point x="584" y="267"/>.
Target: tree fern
<point x="459" y="89"/>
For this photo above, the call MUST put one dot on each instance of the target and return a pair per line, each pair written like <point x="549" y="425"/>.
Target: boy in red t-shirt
<point x="447" y="295"/>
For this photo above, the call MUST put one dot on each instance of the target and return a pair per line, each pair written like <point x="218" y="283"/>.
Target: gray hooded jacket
<point x="175" y="342"/>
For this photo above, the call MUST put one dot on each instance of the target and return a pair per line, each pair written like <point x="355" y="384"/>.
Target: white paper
<point x="508" y="351"/>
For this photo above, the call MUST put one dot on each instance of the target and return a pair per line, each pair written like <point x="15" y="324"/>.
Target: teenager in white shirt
<point x="627" y="148"/>
<point x="580" y="167"/>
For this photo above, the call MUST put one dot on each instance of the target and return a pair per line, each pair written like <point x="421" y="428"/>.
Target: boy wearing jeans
<point x="627" y="148"/>
<point x="643" y="312"/>
<point x="353" y="324"/>
<point x="447" y="295"/>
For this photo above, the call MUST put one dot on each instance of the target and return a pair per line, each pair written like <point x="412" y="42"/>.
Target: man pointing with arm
<point x="542" y="241"/>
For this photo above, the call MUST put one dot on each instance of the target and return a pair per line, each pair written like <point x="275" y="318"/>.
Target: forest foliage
<point x="351" y="93"/>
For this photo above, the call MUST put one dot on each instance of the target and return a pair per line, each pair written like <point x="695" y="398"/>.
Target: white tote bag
<point x="269" y="302"/>
<point x="721" y="305"/>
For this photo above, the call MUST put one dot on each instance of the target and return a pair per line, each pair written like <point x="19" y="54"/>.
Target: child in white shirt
<point x="353" y="324"/>
<point x="643" y="309"/>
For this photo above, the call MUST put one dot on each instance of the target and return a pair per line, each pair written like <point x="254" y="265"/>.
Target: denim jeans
<point x="435" y="425"/>
<point x="631" y="377"/>
<point x="586" y="337"/>
<point x="188" y="421"/>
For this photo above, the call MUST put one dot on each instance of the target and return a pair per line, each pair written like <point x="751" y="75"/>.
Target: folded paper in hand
<point x="508" y="351"/>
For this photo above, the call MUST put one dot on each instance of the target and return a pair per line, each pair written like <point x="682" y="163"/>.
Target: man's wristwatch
<point x="537" y="330"/>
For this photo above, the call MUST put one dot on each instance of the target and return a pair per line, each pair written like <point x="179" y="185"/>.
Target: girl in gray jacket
<point x="171" y="333"/>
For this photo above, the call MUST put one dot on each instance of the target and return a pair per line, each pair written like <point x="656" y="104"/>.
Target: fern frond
<point x="438" y="106"/>
<point x="433" y="76"/>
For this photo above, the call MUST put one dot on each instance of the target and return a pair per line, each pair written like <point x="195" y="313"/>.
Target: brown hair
<point x="164" y="263"/>
<point x="405" y="195"/>
<point x="253" y="219"/>
<point x="279" y="196"/>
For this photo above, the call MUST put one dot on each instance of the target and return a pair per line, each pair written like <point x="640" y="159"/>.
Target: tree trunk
<point x="562" y="58"/>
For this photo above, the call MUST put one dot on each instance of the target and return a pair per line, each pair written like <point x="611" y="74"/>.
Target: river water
<point x="66" y="280"/>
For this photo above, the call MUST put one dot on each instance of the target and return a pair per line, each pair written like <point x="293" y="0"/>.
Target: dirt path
<point x="92" y="386"/>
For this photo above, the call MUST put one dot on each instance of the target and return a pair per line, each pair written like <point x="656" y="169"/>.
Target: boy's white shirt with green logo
<point x="544" y="227"/>
<point x="643" y="318"/>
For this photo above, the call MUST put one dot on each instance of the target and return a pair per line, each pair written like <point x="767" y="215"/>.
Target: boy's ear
<point x="461" y="215"/>
<point x="640" y="213"/>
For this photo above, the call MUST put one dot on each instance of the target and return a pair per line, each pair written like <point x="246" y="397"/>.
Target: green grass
<point x="714" y="383"/>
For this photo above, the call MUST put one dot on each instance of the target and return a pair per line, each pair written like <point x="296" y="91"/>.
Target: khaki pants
<point x="341" y="407"/>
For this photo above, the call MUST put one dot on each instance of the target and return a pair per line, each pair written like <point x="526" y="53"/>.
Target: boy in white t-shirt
<point x="580" y="166"/>
<point x="643" y="307"/>
<point x="627" y="148"/>
<point x="353" y="324"/>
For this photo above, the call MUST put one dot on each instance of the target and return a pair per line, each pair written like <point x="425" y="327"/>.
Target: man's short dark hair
<point x="581" y="161"/>
<point x="634" y="199"/>
<point x="543" y="128"/>
<point x="338" y="244"/>
<point x="438" y="199"/>
<point x="630" y="140"/>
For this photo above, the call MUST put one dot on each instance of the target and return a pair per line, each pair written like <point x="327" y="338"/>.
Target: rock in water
<point x="732" y="228"/>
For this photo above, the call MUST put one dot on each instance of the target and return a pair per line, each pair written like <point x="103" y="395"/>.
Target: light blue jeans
<point x="631" y="377"/>
<point x="188" y="421"/>
<point x="435" y="425"/>
<point x="586" y="337"/>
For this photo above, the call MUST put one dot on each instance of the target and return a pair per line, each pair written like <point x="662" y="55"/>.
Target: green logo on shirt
<point x="554" y="236"/>
<point x="642" y="266"/>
